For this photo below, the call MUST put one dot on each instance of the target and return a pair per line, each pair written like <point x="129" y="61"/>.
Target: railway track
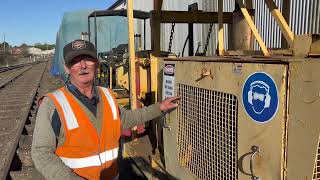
<point x="19" y="90"/>
<point x="4" y="69"/>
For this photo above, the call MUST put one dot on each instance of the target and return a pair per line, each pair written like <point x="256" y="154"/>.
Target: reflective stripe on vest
<point x="70" y="117"/>
<point x="68" y="114"/>
<point x="91" y="160"/>
<point x="111" y="102"/>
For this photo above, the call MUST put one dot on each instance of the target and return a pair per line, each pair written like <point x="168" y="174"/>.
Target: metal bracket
<point x="164" y="123"/>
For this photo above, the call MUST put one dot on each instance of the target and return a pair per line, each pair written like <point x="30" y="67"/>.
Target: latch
<point x="204" y="73"/>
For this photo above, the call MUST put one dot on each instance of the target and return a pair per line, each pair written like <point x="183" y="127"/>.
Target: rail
<point x="7" y="68"/>
<point x="17" y="98"/>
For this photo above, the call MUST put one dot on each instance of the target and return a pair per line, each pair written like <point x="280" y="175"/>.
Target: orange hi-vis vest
<point x="89" y="154"/>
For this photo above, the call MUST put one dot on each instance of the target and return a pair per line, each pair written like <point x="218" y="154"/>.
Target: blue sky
<point x="32" y="21"/>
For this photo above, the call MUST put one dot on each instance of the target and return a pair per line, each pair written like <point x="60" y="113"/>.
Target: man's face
<point x="82" y="69"/>
<point x="258" y="100"/>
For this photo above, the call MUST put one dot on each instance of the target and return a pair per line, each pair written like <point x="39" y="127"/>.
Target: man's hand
<point x="169" y="103"/>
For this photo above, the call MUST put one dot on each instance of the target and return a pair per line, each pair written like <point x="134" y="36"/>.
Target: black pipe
<point x="190" y="37"/>
<point x="184" y="46"/>
<point x="191" y="7"/>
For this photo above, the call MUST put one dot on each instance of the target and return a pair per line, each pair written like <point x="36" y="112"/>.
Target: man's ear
<point x="66" y="69"/>
<point x="98" y="63"/>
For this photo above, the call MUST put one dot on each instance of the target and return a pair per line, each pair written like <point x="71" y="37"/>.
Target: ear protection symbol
<point x="250" y="97"/>
<point x="263" y="85"/>
<point x="267" y="101"/>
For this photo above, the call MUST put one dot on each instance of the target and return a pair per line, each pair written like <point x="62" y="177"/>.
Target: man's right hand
<point x="169" y="103"/>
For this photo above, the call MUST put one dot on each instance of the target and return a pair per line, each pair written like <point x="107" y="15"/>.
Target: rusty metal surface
<point x="242" y="38"/>
<point x="234" y="59"/>
<point x="307" y="45"/>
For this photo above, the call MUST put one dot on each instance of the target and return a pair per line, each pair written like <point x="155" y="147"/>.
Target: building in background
<point x="38" y="52"/>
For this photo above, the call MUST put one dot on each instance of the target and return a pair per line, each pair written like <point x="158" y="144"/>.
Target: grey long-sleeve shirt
<point x="45" y="140"/>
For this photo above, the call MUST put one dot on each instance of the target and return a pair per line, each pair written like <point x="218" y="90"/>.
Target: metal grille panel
<point x="207" y="133"/>
<point x="316" y="174"/>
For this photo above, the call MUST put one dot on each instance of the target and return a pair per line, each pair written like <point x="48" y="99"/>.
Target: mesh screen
<point x="207" y="133"/>
<point x="316" y="173"/>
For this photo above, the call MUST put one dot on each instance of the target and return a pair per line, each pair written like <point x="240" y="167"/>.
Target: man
<point x="78" y="127"/>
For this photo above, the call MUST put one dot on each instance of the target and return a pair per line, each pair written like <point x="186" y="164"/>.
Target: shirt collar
<point x="74" y="90"/>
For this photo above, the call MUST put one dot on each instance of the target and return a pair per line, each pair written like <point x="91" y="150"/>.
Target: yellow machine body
<point x="213" y="136"/>
<point x="120" y="79"/>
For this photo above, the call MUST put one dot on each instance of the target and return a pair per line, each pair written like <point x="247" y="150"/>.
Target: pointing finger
<point x="174" y="98"/>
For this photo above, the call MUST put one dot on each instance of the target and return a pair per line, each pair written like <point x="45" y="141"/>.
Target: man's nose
<point x="83" y="64"/>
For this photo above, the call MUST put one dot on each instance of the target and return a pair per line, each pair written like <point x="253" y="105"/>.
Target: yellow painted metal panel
<point x="303" y="118"/>
<point x="154" y="74"/>
<point x="206" y="123"/>
<point x="143" y="82"/>
<point x="123" y="80"/>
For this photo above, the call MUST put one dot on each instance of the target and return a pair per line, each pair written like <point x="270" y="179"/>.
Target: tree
<point x="23" y="45"/>
<point x="4" y="46"/>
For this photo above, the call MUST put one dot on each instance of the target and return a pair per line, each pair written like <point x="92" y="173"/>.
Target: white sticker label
<point x="168" y="81"/>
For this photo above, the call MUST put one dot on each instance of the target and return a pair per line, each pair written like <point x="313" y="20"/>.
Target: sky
<point x="38" y="21"/>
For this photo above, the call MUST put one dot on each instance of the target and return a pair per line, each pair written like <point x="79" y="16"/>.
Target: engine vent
<point x="207" y="133"/>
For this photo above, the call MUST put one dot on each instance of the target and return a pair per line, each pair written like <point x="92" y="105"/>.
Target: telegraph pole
<point x="4" y="43"/>
<point x="4" y="48"/>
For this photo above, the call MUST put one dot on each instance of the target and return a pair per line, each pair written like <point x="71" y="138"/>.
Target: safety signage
<point x="168" y="81"/>
<point x="260" y="97"/>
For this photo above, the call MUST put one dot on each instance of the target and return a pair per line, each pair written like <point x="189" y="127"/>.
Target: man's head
<point x="80" y="61"/>
<point x="258" y="96"/>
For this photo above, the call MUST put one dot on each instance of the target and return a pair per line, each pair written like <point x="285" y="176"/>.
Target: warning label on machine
<point x="260" y="97"/>
<point x="168" y="81"/>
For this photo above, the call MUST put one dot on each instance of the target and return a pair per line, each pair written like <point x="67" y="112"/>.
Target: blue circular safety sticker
<point x="260" y="97"/>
